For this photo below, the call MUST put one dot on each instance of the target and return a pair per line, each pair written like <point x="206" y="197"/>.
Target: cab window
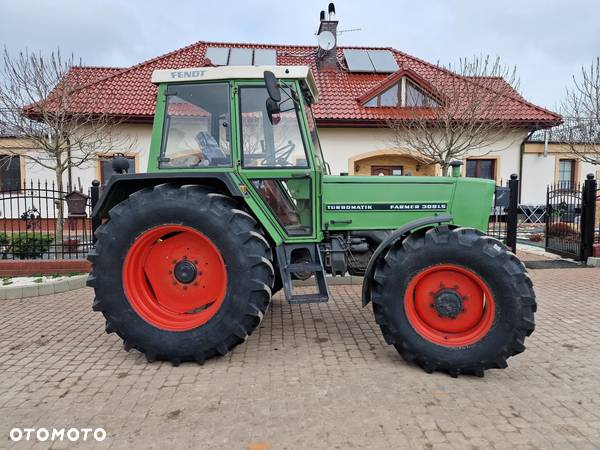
<point x="266" y="142"/>
<point x="196" y="129"/>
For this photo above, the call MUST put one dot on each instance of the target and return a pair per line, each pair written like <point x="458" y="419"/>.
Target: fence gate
<point x="563" y="219"/>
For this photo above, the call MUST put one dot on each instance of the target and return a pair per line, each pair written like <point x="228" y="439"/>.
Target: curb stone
<point x="47" y="288"/>
<point x="593" y="262"/>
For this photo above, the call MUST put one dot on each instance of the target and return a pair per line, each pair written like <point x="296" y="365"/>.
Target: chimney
<point x="328" y="58"/>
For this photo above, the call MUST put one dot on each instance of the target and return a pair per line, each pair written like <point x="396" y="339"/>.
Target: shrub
<point x="4" y="239"/>
<point x="561" y="228"/>
<point x="27" y="245"/>
<point x="537" y="237"/>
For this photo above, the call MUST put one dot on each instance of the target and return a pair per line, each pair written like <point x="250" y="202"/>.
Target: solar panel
<point x="358" y="61"/>
<point x="217" y="55"/>
<point x="265" y="57"/>
<point x="383" y="61"/>
<point x="240" y="57"/>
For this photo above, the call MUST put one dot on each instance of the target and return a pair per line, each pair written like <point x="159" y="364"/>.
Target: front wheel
<point x="467" y="302"/>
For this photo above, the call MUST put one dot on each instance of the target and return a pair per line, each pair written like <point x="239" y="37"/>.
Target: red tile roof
<point x="129" y="92"/>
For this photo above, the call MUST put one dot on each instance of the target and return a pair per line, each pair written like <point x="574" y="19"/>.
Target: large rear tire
<point x="181" y="273"/>
<point x="467" y="302"/>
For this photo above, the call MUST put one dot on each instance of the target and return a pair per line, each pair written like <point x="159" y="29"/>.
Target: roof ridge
<point x="143" y="63"/>
<point x="518" y="98"/>
<point x="97" y="67"/>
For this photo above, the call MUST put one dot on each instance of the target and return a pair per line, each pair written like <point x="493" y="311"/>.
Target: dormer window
<point x="404" y="93"/>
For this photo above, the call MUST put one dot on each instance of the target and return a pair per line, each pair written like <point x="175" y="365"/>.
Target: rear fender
<point x="398" y="235"/>
<point x="120" y="187"/>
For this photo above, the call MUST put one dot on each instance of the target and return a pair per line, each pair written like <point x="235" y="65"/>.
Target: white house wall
<point x="538" y="172"/>
<point x="341" y="144"/>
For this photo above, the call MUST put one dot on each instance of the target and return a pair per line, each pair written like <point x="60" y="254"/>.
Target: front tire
<point x="181" y="273"/>
<point x="467" y="303"/>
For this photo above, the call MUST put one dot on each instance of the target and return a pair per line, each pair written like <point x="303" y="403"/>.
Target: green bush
<point x="27" y="245"/>
<point x="4" y="239"/>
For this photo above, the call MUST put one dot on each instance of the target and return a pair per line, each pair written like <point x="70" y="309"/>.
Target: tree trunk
<point x="445" y="169"/>
<point x="60" y="217"/>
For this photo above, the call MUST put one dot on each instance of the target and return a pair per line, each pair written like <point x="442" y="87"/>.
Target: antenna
<point x="349" y="30"/>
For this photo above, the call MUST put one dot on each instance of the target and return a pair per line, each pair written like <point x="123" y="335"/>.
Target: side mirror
<point x="273" y="111"/>
<point x="272" y="85"/>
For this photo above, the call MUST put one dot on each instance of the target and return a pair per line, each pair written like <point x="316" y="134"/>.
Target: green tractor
<point x="237" y="202"/>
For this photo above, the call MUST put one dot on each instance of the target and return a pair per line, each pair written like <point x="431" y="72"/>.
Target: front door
<point x="276" y="161"/>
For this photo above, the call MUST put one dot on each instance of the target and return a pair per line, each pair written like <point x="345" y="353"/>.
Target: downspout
<point x="522" y="152"/>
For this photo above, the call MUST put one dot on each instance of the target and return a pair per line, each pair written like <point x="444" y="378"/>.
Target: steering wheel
<point x="283" y="153"/>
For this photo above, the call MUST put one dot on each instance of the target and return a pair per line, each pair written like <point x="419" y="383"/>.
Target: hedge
<point x="25" y="245"/>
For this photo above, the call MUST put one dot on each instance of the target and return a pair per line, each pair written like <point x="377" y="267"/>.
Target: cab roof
<point x="300" y="73"/>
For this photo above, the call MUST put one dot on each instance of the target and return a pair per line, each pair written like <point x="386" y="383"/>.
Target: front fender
<point x="398" y="234"/>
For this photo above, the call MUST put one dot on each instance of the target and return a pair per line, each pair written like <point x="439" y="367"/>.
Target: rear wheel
<point x="180" y="273"/>
<point x="467" y="306"/>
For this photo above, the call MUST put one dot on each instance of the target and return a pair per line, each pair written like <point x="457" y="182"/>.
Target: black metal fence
<point x="38" y="221"/>
<point x="504" y="215"/>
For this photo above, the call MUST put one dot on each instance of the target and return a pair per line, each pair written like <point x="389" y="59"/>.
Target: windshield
<point x="196" y="128"/>
<point x="266" y="143"/>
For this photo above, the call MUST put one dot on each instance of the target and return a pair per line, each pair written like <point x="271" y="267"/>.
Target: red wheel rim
<point x="174" y="277"/>
<point x="449" y="305"/>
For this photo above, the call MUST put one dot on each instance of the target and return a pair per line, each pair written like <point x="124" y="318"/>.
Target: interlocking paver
<point x="315" y="376"/>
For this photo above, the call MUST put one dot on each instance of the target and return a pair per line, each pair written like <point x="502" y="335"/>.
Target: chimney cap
<point x="322" y="16"/>
<point x="331" y="11"/>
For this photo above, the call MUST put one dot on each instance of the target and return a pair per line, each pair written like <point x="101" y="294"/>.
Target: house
<point x="361" y="89"/>
<point x="549" y="160"/>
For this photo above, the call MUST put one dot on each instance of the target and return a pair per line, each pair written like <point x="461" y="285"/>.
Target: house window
<point x="481" y="168"/>
<point x="387" y="170"/>
<point x="106" y="169"/>
<point x="404" y="93"/>
<point x="10" y="173"/>
<point x="566" y="173"/>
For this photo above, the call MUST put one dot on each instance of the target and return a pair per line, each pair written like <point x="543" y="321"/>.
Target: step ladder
<point x="314" y="266"/>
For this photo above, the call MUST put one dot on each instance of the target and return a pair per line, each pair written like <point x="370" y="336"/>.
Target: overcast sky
<point x="547" y="40"/>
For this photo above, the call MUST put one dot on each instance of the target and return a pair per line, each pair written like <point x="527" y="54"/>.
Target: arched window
<point x="404" y="93"/>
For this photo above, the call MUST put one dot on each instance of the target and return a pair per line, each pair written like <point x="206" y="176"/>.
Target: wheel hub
<point x="174" y="277"/>
<point x="448" y="303"/>
<point x="185" y="272"/>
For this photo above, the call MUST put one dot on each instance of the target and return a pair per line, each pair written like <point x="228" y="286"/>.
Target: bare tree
<point x="42" y="104"/>
<point x="464" y="112"/>
<point x="582" y="106"/>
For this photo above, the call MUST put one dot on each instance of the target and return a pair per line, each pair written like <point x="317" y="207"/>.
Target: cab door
<point x="275" y="161"/>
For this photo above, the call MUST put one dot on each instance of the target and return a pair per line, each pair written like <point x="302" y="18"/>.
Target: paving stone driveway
<point x="316" y="376"/>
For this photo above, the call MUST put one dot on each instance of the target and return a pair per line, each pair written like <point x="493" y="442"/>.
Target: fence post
<point x="95" y="194"/>
<point x="512" y="213"/>
<point x="588" y="216"/>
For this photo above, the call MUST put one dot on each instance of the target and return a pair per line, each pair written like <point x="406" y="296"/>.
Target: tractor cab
<point x="258" y="128"/>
